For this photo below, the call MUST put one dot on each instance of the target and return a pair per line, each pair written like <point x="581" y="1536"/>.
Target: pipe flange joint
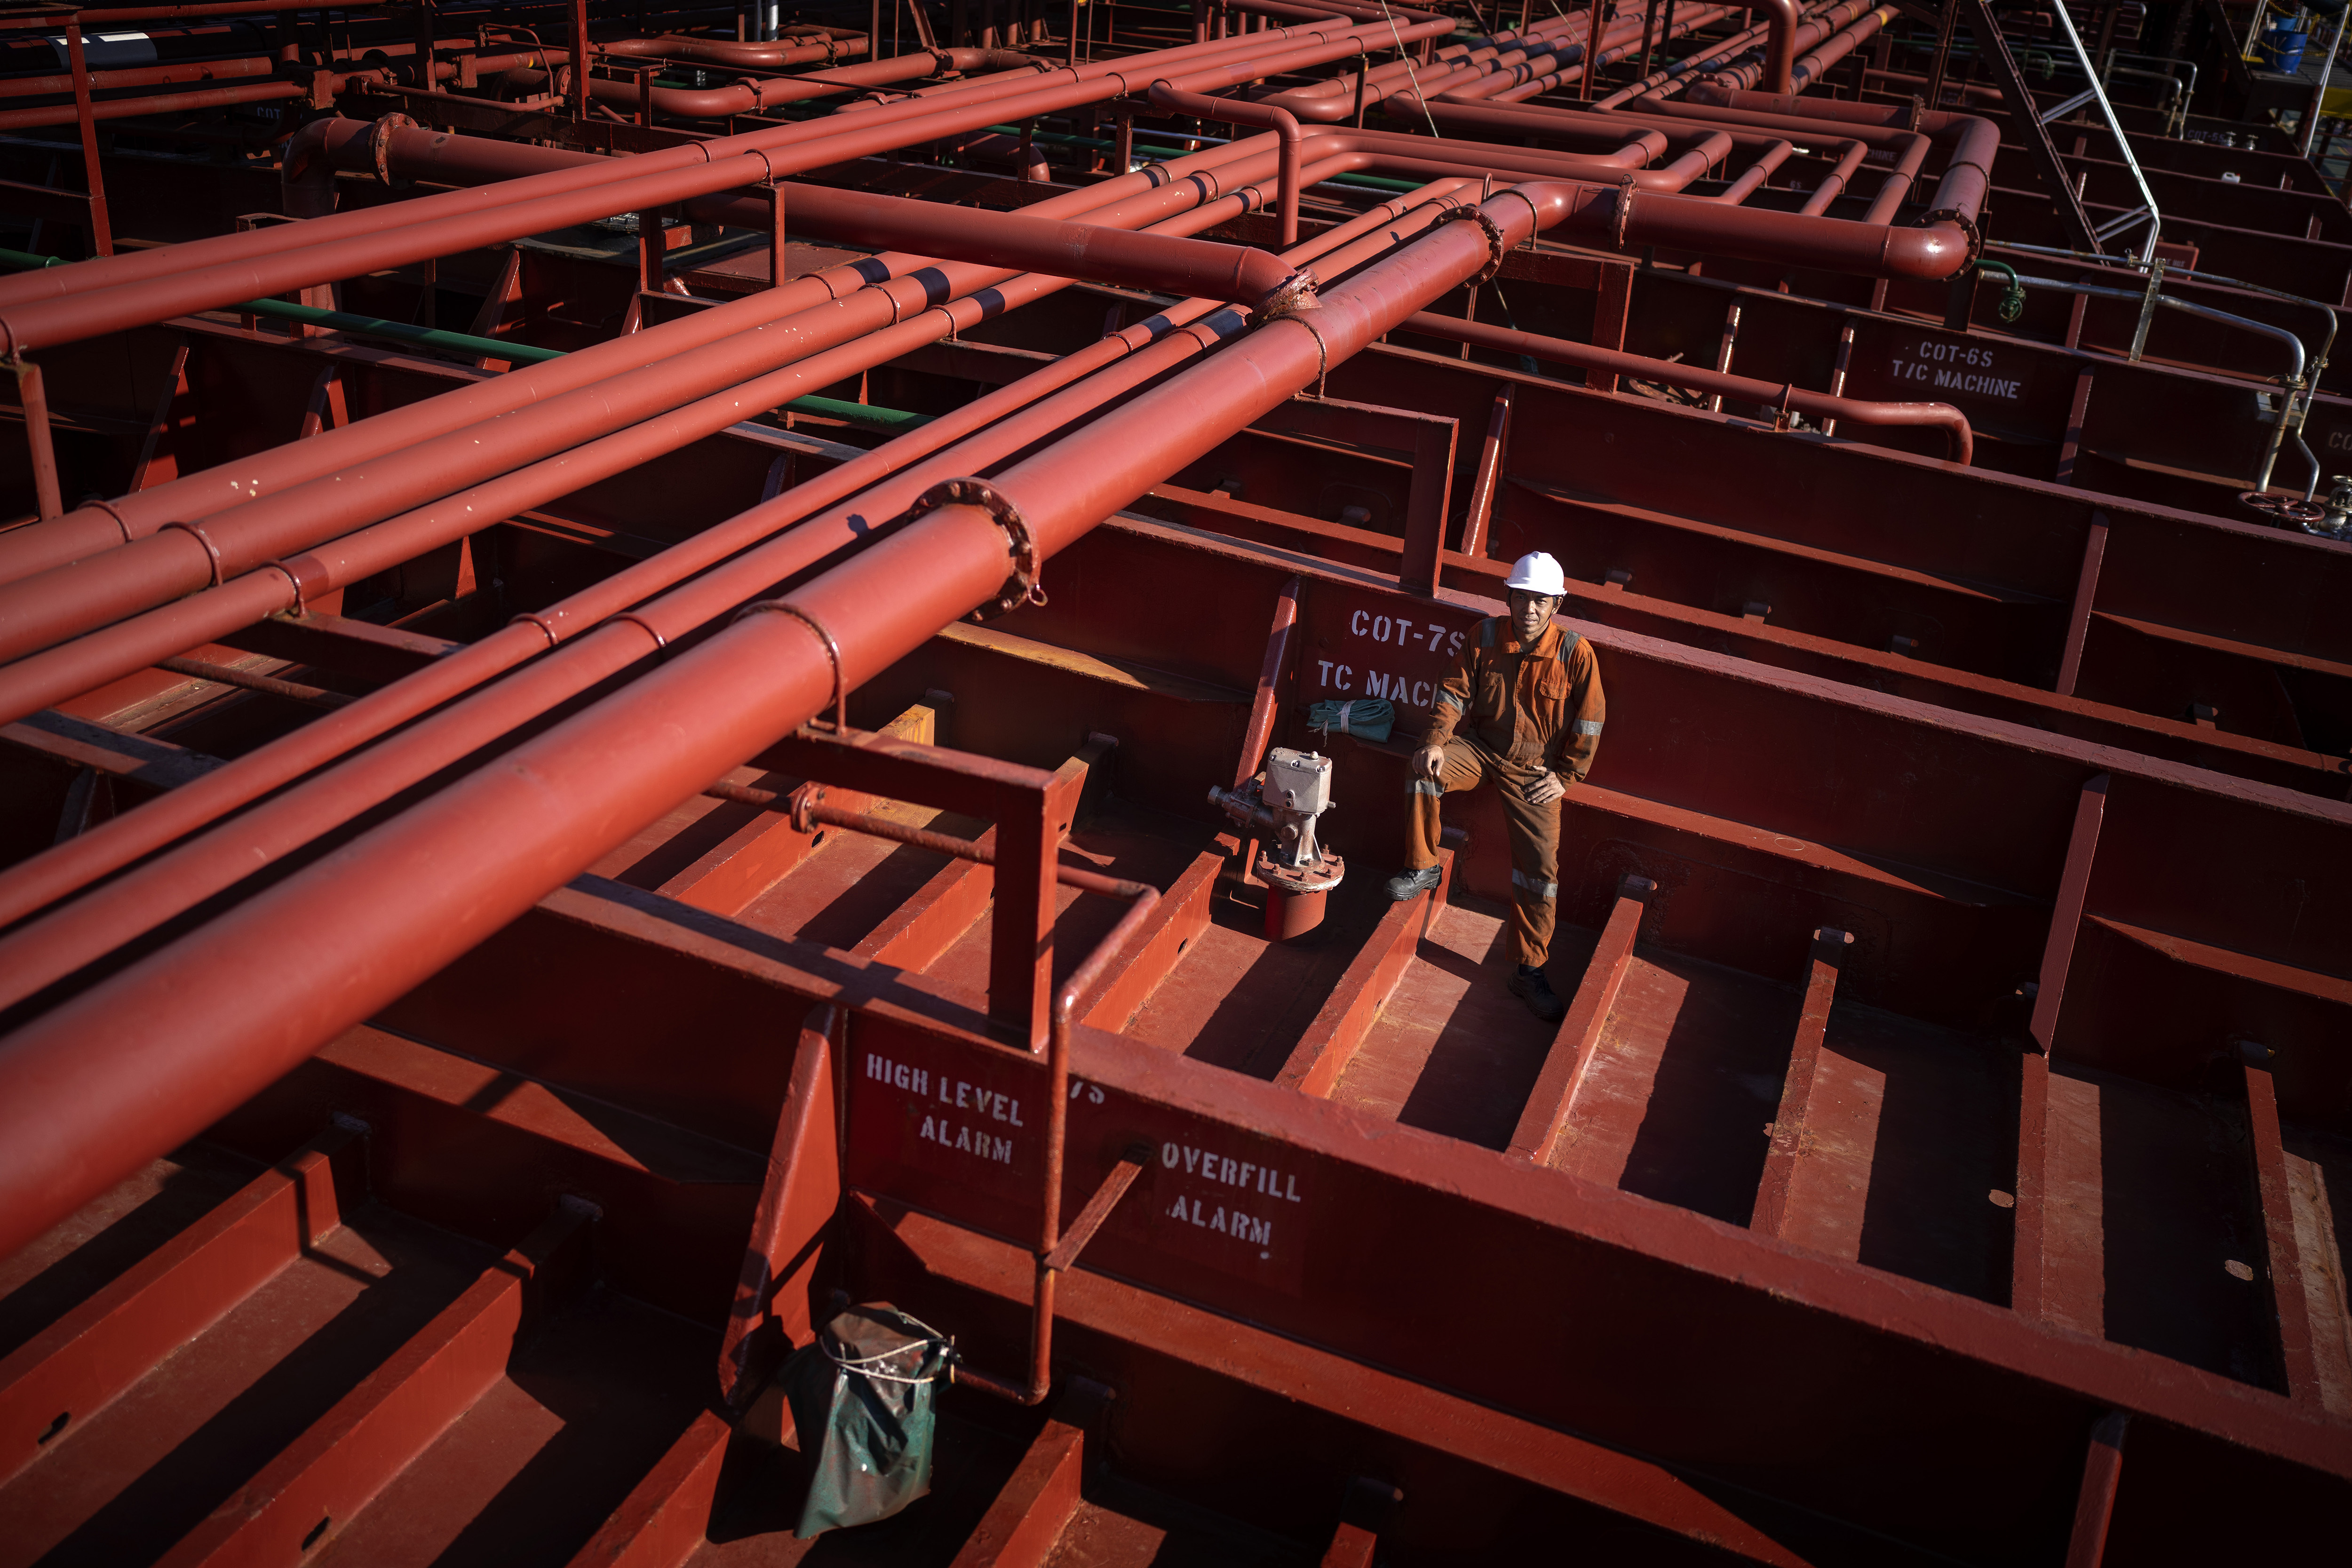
<point x="1292" y="295"/>
<point x="380" y="147"/>
<point x="801" y="806"/>
<point x="1022" y="587"/>
<point x="1967" y="227"/>
<point x="1620" y="219"/>
<point x="1495" y="247"/>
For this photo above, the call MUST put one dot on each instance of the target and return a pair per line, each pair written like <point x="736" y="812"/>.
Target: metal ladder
<point x="2097" y="93"/>
<point x="2033" y="127"/>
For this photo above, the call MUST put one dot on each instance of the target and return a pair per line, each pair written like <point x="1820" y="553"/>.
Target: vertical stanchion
<point x="579" y="59"/>
<point x="34" y="400"/>
<point x="101" y="230"/>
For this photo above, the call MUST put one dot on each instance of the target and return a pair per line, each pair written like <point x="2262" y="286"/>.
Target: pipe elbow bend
<point x="1781" y="46"/>
<point x="1934" y="253"/>
<point x="306" y="175"/>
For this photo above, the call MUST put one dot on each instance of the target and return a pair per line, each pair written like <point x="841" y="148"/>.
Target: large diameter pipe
<point x="307" y="168"/>
<point x="773" y="92"/>
<point x="96" y="1087"/>
<point x="1959" y="439"/>
<point x="991" y="429"/>
<point x="1241" y="275"/>
<point x="98" y="527"/>
<point x="49" y="676"/>
<point x="709" y="167"/>
<point x="95" y="657"/>
<point x="41" y="610"/>
<point x="48" y="607"/>
<point x="157" y="103"/>
<point x="138" y="266"/>
<point x="770" y="53"/>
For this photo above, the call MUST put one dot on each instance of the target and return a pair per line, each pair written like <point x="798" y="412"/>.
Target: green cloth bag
<point x="861" y="1395"/>
<point x="1371" y="717"/>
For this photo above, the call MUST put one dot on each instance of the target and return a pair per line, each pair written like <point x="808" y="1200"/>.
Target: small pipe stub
<point x="1022" y="587"/>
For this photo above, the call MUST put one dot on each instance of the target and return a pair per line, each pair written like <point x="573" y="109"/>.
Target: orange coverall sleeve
<point x="1588" y="710"/>
<point x="1452" y="703"/>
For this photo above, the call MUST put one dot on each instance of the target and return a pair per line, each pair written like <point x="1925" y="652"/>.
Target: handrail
<point x="1056" y="1249"/>
<point x="2293" y="382"/>
<point x="2115" y="128"/>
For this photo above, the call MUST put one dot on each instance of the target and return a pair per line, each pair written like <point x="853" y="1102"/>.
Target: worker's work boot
<point x="1412" y="884"/>
<point x="1533" y="987"/>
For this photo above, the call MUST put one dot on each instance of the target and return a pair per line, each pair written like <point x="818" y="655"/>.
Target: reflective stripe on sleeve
<point x="1445" y="696"/>
<point x="1587" y="726"/>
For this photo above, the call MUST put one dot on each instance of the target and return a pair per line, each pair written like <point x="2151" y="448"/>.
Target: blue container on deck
<point x="2282" y="48"/>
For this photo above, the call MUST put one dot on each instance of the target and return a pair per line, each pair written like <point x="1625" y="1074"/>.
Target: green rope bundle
<point x="1371" y="717"/>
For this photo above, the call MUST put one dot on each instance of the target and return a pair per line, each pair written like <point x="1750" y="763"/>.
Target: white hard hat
<point x="1537" y="573"/>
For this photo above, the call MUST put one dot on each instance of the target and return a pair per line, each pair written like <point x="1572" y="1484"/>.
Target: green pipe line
<point x="2013" y="298"/>
<point x="892" y="420"/>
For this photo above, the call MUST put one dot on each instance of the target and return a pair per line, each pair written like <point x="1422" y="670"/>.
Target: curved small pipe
<point x="1281" y="121"/>
<point x="1959" y="438"/>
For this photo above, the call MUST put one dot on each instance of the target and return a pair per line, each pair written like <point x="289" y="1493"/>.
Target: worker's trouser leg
<point x="1534" y="831"/>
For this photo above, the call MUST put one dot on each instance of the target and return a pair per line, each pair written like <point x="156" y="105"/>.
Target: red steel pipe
<point x="771" y="53"/>
<point x="157" y="103"/>
<point x="28" y="962"/>
<point x="49" y="677"/>
<point x="222" y="96"/>
<point x="1722" y="51"/>
<point x="38" y="611"/>
<point x="171" y="72"/>
<point x="439" y="225"/>
<point x="111" y="591"/>
<point x="1828" y="35"/>
<point x="1781" y="43"/>
<point x="1521" y="82"/>
<point x="310" y="144"/>
<point x="95" y="1087"/>
<point x="1281" y="121"/>
<point x="1007" y="431"/>
<point x="426" y="155"/>
<point x="1959" y="438"/>
<point x="771" y="92"/>
<point x="1333" y="98"/>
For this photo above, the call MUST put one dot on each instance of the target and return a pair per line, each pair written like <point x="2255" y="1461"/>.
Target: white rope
<point x="862" y="1365"/>
<point x="1410" y="74"/>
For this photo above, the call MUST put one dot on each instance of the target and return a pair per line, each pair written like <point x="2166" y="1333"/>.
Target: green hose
<point x="2013" y="298"/>
<point x="864" y="416"/>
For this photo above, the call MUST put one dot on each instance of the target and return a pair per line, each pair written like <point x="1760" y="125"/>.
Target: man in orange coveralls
<point x="1526" y="700"/>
